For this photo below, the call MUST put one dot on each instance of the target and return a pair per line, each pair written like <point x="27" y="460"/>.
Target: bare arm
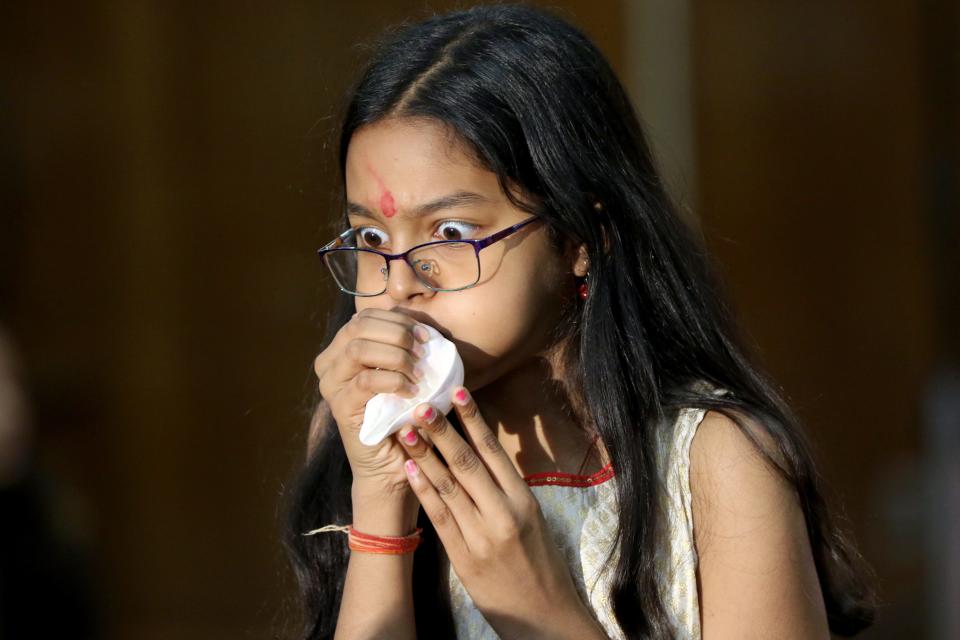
<point x="378" y="593"/>
<point x="756" y="572"/>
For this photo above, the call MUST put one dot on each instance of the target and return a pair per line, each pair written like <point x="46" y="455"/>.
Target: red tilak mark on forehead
<point x="387" y="204"/>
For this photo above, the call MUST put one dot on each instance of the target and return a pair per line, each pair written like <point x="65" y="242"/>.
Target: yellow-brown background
<point x="167" y="179"/>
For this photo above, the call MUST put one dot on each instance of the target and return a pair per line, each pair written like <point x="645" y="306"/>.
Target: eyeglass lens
<point x="444" y="266"/>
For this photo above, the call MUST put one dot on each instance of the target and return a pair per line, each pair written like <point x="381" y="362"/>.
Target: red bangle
<point x="395" y="545"/>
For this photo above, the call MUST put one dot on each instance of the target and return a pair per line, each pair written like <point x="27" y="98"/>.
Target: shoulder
<point x="733" y="486"/>
<point x="722" y="455"/>
<point x="755" y="560"/>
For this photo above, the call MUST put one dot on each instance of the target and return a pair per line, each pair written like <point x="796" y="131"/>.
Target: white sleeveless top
<point x="581" y="514"/>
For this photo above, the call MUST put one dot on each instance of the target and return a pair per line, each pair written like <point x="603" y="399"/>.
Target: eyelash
<point x="358" y="231"/>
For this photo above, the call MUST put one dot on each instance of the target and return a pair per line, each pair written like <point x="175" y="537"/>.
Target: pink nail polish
<point x="410" y="437"/>
<point x="411" y="467"/>
<point x="461" y="397"/>
<point x="428" y="414"/>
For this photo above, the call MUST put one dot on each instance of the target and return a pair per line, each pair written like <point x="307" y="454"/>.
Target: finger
<point x="464" y="462"/>
<point x="486" y="443"/>
<point x="370" y="382"/>
<point x="440" y="514"/>
<point x="377" y="326"/>
<point x="446" y="483"/>
<point x="363" y="354"/>
<point x="381" y="319"/>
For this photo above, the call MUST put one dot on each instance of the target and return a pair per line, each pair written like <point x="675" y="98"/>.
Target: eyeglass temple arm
<point x="336" y="242"/>
<point x="480" y="244"/>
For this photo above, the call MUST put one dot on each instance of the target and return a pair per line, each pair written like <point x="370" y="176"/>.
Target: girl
<point x="616" y="465"/>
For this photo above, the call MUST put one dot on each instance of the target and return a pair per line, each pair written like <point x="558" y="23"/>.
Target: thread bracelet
<point x="369" y="543"/>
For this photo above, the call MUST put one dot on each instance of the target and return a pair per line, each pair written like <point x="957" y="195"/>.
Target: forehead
<point x="414" y="159"/>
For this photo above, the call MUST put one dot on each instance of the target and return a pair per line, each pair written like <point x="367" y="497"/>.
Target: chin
<point x="474" y="382"/>
<point x="476" y="376"/>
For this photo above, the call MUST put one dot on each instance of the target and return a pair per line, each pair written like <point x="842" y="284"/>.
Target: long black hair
<point x="540" y="107"/>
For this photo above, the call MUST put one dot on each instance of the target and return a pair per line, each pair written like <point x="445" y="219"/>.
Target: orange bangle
<point x="369" y="543"/>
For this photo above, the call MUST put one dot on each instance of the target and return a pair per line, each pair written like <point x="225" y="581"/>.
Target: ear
<point x="581" y="263"/>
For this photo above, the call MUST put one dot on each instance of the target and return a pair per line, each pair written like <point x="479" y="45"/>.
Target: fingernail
<point x="420" y="333"/>
<point x="410" y="437"/>
<point x="418" y="373"/>
<point x="420" y="350"/>
<point x="427" y="414"/>
<point x="411" y="468"/>
<point x="413" y="388"/>
<point x="461" y="397"/>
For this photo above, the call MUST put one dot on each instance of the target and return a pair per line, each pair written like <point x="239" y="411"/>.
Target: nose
<point x="403" y="283"/>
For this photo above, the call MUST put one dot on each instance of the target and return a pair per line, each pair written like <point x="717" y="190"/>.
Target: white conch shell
<point x="386" y="413"/>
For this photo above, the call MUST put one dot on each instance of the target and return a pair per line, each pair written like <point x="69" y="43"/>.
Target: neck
<point x="530" y="412"/>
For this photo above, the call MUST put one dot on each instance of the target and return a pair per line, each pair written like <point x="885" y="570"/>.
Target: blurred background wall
<point x="167" y="175"/>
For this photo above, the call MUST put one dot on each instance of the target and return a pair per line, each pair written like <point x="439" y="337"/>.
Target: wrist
<point x="583" y="625"/>
<point x="566" y="622"/>
<point x="384" y="515"/>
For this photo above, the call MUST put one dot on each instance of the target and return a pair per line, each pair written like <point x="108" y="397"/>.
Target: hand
<point x="492" y="528"/>
<point x="374" y="352"/>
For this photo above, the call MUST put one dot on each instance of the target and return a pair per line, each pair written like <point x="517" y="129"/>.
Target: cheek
<point x="508" y="322"/>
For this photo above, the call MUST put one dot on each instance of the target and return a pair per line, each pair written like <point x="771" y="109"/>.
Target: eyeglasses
<point x="444" y="265"/>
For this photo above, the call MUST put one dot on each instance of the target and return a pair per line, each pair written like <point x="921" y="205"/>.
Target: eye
<point x="373" y="238"/>
<point x="448" y="231"/>
<point x="369" y="237"/>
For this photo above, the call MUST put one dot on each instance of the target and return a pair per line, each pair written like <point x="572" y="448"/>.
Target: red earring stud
<point x="583" y="291"/>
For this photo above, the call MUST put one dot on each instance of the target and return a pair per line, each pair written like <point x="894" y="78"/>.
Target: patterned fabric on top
<point x="581" y="515"/>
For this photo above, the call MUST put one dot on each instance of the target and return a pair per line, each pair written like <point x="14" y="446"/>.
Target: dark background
<point x="167" y="175"/>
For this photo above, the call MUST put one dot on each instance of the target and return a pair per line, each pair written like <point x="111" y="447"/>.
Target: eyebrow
<point x="451" y="201"/>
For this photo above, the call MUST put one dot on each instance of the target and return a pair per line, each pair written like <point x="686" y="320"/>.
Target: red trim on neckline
<point x="560" y="479"/>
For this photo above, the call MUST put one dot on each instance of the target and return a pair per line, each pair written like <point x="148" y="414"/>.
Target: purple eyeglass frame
<point x="478" y="244"/>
